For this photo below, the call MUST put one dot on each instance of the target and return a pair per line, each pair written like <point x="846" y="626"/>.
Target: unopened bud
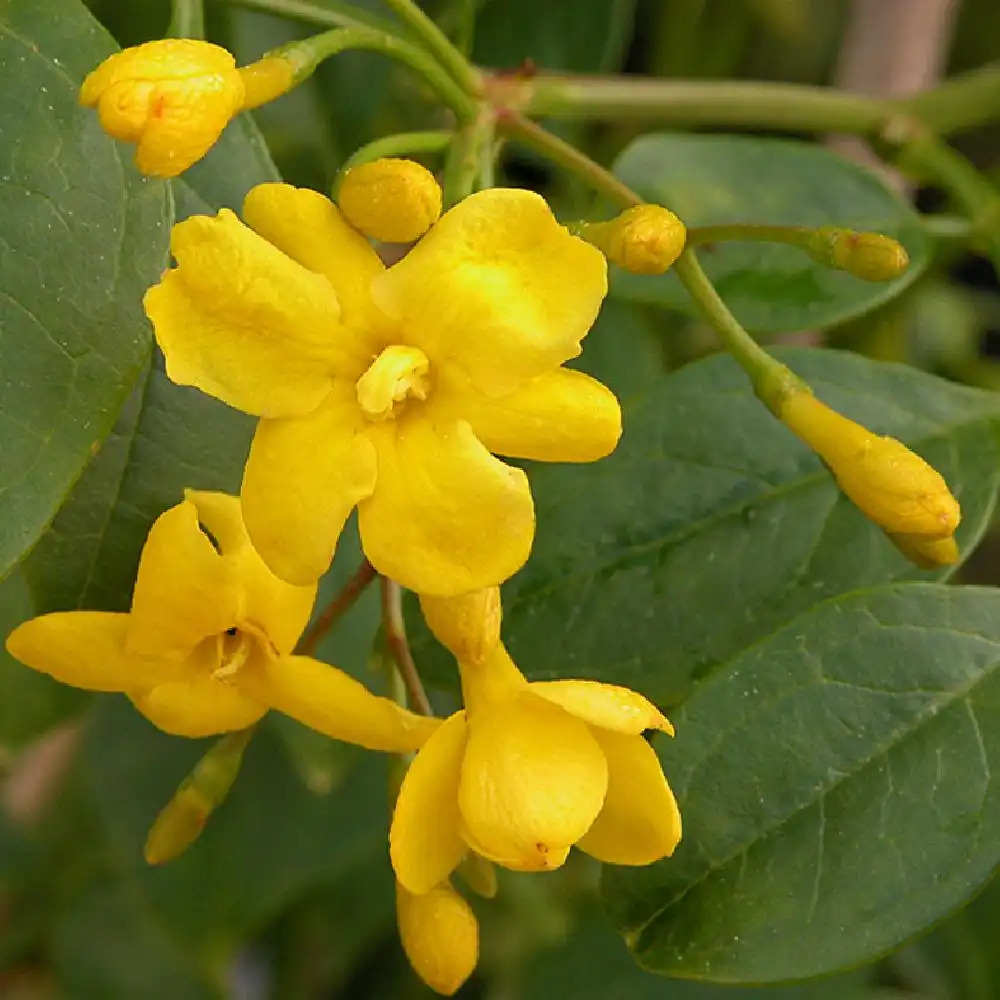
<point x="467" y="625"/>
<point x="644" y="239"/>
<point x="440" y="935"/>
<point x="266" y="79"/>
<point x="870" y="256"/>
<point x="890" y="483"/>
<point x="171" y="97"/>
<point x="392" y="200"/>
<point x="926" y="553"/>
<point x="183" y="818"/>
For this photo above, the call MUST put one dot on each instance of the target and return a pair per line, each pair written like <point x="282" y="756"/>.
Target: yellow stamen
<point x="397" y="373"/>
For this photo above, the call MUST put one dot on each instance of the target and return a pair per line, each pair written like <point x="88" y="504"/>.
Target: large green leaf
<point x="167" y="437"/>
<point x="837" y="787"/>
<point x="711" y="525"/>
<point x="83" y="236"/>
<point x="714" y="179"/>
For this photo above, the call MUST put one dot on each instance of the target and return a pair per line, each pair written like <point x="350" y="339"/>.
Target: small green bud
<point x="644" y="239"/>
<point x="869" y="256"/>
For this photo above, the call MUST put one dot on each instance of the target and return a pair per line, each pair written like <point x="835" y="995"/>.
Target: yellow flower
<point x="529" y="769"/>
<point x="891" y="484"/>
<point x="440" y="935"/>
<point x="207" y="645"/>
<point x="389" y="388"/>
<point x="172" y="97"/>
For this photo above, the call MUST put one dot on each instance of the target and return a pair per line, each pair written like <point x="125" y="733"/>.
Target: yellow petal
<point x="331" y="702"/>
<point x="302" y="480"/>
<point x="562" y="416"/>
<point x="243" y="322"/>
<point x="198" y="705"/>
<point x="533" y="781"/>
<point x="184" y="590"/>
<point x="440" y="935"/>
<point x="279" y="609"/>
<point x="85" y="649"/>
<point x="311" y="230"/>
<point x="468" y="626"/>
<point x="640" y="822"/>
<point x="606" y="705"/>
<point x="926" y="553"/>
<point x="425" y="844"/>
<point x="446" y="517"/>
<point x="497" y="288"/>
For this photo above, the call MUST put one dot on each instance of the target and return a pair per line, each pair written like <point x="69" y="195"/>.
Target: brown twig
<point x="395" y="637"/>
<point x="341" y="603"/>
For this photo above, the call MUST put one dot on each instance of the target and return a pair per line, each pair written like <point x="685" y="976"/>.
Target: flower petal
<point x="311" y="230"/>
<point x="85" y="649"/>
<point x="606" y="705"/>
<point x="243" y="322"/>
<point x="198" y="705"/>
<point x="281" y="610"/>
<point x="301" y="482"/>
<point x="497" y="288"/>
<point x="184" y="591"/>
<point x="440" y="935"/>
<point x="446" y="517"/>
<point x="533" y="781"/>
<point x="640" y="822"/>
<point x="468" y="625"/>
<point x="562" y="416"/>
<point x="332" y="702"/>
<point x="424" y="841"/>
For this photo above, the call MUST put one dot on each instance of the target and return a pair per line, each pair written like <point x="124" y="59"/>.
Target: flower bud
<point x="869" y="256"/>
<point x="467" y="625"/>
<point x="183" y="818"/>
<point x="892" y="485"/>
<point x="172" y="97"/>
<point x="392" y="200"/>
<point x="644" y="239"/>
<point x="440" y="936"/>
<point x="926" y="553"/>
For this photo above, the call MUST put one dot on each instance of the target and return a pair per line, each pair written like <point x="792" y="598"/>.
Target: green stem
<point x="772" y="381"/>
<point x="470" y="158"/>
<point x="710" y="102"/>
<point x="328" y="13"/>
<point x="439" y="45"/>
<point x="963" y="102"/>
<point x="796" y="236"/>
<point x="336" y="609"/>
<point x="307" y="54"/>
<point x="400" y="144"/>
<point x="187" y="19"/>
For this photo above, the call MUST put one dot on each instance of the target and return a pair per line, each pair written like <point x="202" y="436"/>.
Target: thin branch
<point x="395" y="637"/>
<point x="340" y="604"/>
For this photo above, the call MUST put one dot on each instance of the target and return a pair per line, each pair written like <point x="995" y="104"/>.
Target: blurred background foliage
<point x="288" y="894"/>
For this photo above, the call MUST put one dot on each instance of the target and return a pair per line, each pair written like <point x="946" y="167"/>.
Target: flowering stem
<point x="307" y="54"/>
<point x="187" y="19"/>
<point x="329" y="13"/>
<point x="439" y="45"/>
<point x="796" y="236"/>
<point x="395" y="637"/>
<point x="400" y="144"/>
<point x="335" y="610"/>
<point x="470" y="158"/>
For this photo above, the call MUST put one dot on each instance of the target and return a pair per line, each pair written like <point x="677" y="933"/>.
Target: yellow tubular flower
<point x="207" y="645"/>
<point x="391" y="200"/>
<point x="171" y="97"/>
<point x="892" y="485"/>
<point x="440" y="935"/>
<point x="528" y="770"/>
<point x="390" y="388"/>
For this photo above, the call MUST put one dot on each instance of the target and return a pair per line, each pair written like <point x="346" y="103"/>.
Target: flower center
<point x="235" y="648"/>
<point x="396" y="374"/>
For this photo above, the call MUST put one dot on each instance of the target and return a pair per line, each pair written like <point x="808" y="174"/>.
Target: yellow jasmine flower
<point x="388" y="388"/>
<point x="207" y="645"/>
<point x="527" y="770"/>
<point x="891" y="484"/>
<point x="440" y="935"/>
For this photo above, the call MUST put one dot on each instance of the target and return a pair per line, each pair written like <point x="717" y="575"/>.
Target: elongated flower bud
<point x="440" y="936"/>
<point x="891" y="484"/>
<point x="467" y="625"/>
<point x="392" y="200"/>
<point x="644" y="239"/>
<point x="183" y="818"/>
<point x="171" y="97"/>
<point x="869" y="256"/>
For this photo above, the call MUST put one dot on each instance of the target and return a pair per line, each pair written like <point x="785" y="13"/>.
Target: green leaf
<point x="166" y="438"/>
<point x="83" y="236"/>
<point x="711" y="525"/>
<point x="714" y="179"/>
<point x="836" y="782"/>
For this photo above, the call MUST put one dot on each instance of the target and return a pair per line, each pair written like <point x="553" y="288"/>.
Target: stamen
<point x="396" y="374"/>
